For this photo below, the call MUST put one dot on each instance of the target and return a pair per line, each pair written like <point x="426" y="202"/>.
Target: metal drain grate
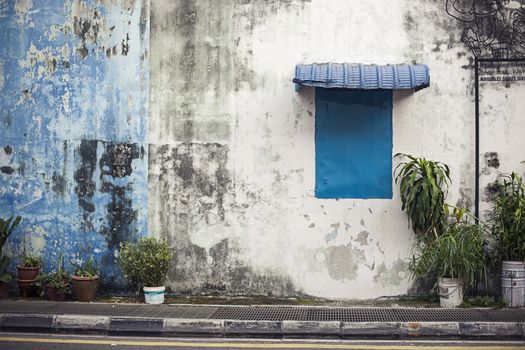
<point x="163" y="311"/>
<point x="254" y="313"/>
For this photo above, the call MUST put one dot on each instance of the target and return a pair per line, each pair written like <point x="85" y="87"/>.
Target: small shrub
<point x="146" y="262"/>
<point x="508" y="219"/>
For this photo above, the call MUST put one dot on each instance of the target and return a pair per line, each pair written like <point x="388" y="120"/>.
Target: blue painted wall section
<point x="73" y="125"/>
<point x="353" y="143"/>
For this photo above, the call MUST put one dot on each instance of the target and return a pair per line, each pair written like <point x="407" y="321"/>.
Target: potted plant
<point x="508" y="235"/>
<point x="29" y="268"/>
<point x="145" y="263"/>
<point x="85" y="279"/>
<point x="423" y="186"/>
<point x="457" y="258"/>
<point x="6" y="228"/>
<point x="56" y="283"/>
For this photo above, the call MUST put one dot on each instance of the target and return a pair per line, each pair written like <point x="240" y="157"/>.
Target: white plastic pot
<point x="154" y="295"/>
<point x="450" y="292"/>
<point x="513" y="283"/>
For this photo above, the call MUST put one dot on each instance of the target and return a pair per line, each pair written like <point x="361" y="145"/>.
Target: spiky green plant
<point x="458" y="253"/>
<point x="508" y="218"/>
<point x="59" y="278"/>
<point x="423" y="186"/>
<point x="7" y="227"/>
<point x="86" y="269"/>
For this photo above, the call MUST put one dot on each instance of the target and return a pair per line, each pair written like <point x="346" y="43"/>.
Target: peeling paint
<point x="362" y="238"/>
<point x="393" y="275"/>
<point x="22" y="10"/>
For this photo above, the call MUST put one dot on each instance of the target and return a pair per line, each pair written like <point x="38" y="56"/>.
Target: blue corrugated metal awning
<point x="363" y="76"/>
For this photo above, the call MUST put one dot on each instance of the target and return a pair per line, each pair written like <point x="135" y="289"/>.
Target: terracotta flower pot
<point x="4" y="290"/>
<point x="54" y="294"/>
<point x="27" y="288"/>
<point x="85" y="287"/>
<point x="27" y="273"/>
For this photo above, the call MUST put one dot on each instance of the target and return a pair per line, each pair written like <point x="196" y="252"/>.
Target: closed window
<point x="353" y="143"/>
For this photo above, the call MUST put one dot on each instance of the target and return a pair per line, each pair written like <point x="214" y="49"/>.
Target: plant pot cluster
<point x="456" y="246"/>
<point x="55" y="285"/>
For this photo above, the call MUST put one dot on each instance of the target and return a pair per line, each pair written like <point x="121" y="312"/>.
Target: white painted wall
<point x="273" y="225"/>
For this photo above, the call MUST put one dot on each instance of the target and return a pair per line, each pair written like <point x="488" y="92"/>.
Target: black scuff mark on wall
<point x="7" y="170"/>
<point x="492" y="160"/>
<point x="125" y="46"/>
<point x="59" y="183"/>
<point x="117" y="159"/>
<point x="116" y="163"/>
<point x="120" y="215"/>
<point x="86" y="186"/>
<point x="22" y="168"/>
<point x="492" y="190"/>
<point x="465" y="198"/>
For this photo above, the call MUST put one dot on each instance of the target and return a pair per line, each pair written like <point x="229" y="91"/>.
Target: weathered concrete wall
<point x="221" y="160"/>
<point x="231" y="162"/>
<point x="73" y="97"/>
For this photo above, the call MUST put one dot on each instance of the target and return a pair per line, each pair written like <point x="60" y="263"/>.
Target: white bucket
<point x="154" y="295"/>
<point x="450" y="292"/>
<point x="513" y="269"/>
<point x="513" y="290"/>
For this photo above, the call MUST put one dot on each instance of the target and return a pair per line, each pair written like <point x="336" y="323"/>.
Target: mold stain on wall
<point x="201" y="57"/>
<point x="75" y="126"/>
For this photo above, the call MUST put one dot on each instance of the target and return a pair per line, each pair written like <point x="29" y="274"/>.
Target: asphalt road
<point x="24" y="341"/>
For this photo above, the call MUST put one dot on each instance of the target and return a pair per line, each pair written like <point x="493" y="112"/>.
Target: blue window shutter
<point x="353" y="143"/>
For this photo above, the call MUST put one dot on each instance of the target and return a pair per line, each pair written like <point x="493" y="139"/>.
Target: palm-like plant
<point x="423" y="187"/>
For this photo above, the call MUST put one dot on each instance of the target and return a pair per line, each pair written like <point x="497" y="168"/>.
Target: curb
<point x="173" y="327"/>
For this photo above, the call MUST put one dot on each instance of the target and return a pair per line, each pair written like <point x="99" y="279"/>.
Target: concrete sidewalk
<point x="261" y="321"/>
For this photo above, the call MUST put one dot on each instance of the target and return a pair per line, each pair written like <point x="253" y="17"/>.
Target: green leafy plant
<point x="7" y="227"/>
<point x="57" y="279"/>
<point x="508" y="218"/>
<point x="423" y="187"/>
<point x="88" y="269"/>
<point x="458" y="253"/>
<point x="4" y="275"/>
<point x="31" y="261"/>
<point x="146" y="262"/>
